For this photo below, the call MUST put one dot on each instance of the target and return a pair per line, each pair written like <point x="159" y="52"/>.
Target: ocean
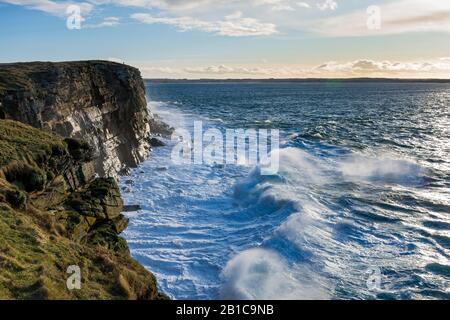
<point x="359" y="209"/>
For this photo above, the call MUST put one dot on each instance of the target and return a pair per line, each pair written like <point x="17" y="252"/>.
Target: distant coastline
<point x="300" y="80"/>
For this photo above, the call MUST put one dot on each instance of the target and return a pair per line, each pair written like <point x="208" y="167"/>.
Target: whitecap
<point x="262" y="274"/>
<point x="382" y="168"/>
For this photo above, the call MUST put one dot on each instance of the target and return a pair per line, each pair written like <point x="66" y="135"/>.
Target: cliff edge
<point x="101" y="102"/>
<point x="50" y="228"/>
<point x="66" y="131"/>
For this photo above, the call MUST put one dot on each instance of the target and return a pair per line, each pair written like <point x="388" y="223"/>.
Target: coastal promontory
<point x="66" y="131"/>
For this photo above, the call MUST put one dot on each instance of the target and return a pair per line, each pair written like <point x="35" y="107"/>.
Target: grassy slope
<point x="19" y="143"/>
<point x="34" y="260"/>
<point x="35" y="250"/>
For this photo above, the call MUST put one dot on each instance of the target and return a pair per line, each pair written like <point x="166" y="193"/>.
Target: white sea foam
<point x="298" y="170"/>
<point x="310" y="226"/>
<point x="307" y="227"/>
<point x="263" y="274"/>
<point x="194" y="217"/>
<point x="383" y="167"/>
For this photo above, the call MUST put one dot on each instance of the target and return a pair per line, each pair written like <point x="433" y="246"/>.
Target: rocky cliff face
<point x="55" y="212"/>
<point x="50" y="225"/>
<point x="101" y="102"/>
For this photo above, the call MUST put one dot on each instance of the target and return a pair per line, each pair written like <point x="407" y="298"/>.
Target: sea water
<point x="359" y="209"/>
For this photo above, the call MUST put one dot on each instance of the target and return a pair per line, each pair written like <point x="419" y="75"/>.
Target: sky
<point x="236" y="39"/>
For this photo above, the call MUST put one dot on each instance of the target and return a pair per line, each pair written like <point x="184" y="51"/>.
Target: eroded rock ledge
<point x="101" y="102"/>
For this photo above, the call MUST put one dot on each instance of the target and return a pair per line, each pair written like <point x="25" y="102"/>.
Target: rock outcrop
<point x="51" y="221"/>
<point x="66" y="132"/>
<point x="102" y="103"/>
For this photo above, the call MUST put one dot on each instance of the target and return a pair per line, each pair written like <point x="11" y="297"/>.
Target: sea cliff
<point x="66" y="132"/>
<point x="101" y="102"/>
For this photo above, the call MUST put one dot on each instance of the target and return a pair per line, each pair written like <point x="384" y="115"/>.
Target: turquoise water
<point x="360" y="208"/>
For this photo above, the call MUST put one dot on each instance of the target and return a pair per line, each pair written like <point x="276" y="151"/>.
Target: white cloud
<point x="387" y="67"/>
<point x="397" y="17"/>
<point x="234" y="25"/>
<point x="303" y="5"/>
<point x="284" y="5"/>
<point x="352" y="68"/>
<point x="107" y="22"/>
<point x="59" y="9"/>
<point x="431" y="68"/>
<point x="162" y="71"/>
<point x="235" y="15"/>
<point x="327" y="5"/>
<point x="169" y="4"/>
<point x="229" y="70"/>
<point x="51" y="7"/>
<point x="110" y="21"/>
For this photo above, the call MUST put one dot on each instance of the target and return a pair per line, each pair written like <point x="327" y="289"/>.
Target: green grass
<point x="28" y="156"/>
<point x="34" y="261"/>
<point x="22" y="143"/>
<point x="21" y="76"/>
<point x="37" y="245"/>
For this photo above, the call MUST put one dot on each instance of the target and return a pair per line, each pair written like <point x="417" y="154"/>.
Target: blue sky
<point x="236" y="39"/>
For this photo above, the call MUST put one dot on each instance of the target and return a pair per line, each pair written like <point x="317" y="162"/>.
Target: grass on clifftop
<point x="20" y="76"/>
<point x="22" y="143"/>
<point x="36" y="249"/>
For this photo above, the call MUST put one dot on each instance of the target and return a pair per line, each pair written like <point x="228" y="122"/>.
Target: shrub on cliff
<point x="27" y="177"/>
<point x="101" y="199"/>
<point x="79" y="150"/>
<point x="10" y="194"/>
<point x="16" y="198"/>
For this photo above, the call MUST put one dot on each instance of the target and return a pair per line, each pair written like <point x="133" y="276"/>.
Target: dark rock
<point x="120" y="223"/>
<point x="129" y="182"/>
<point x="124" y="171"/>
<point x="101" y="199"/>
<point x="78" y="175"/>
<point x="55" y="210"/>
<point x="131" y="208"/>
<point x="126" y="189"/>
<point x="156" y="142"/>
<point x="101" y="102"/>
<point x="160" y="128"/>
<point x="103" y="233"/>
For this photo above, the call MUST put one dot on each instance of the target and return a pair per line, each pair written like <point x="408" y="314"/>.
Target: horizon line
<point x="355" y="79"/>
